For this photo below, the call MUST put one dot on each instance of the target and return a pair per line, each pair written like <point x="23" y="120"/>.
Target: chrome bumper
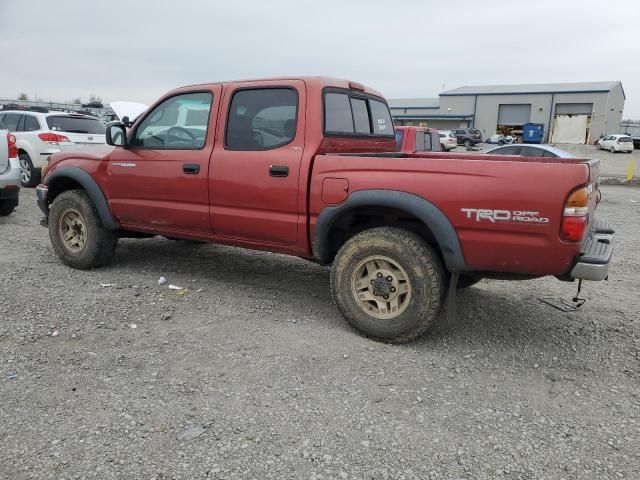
<point x="595" y="255"/>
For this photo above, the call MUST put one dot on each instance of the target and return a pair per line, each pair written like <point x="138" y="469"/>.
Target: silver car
<point x="530" y="150"/>
<point x="9" y="172"/>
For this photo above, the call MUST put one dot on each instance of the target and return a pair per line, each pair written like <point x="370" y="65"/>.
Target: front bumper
<point x="595" y="254"/>
<point x="41" y="195"/>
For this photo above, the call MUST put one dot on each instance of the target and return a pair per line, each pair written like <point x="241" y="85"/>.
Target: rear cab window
<point x="399" y="138"/>
<point x="349" y="113"/>
<point x="72" y="124"/>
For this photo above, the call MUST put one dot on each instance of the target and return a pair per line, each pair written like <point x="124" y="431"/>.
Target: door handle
<point x="278" y="171"/>
<point x="192" y="168"/>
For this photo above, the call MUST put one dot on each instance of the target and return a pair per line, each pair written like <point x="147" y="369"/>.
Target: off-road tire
<point x="466" y="281"/>
<point x="6" y="209"/>
<point x="34" y="175"/>
<point x="101" y="243"/>
<point x="424" y="271"/>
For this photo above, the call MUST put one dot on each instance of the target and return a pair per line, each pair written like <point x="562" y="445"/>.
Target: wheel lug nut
<point x="371" y="282"/>
<point x="390" y="278"/>
<point x="379" y="275"/>
<point x="393" y="289"/>
<point x="386" y="297"/>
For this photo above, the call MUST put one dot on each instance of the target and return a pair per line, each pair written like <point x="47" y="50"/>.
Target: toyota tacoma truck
<point x="411" y="139"/>
<point x="308" y="167"/>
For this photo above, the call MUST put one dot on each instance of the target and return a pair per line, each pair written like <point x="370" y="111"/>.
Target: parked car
<point x="448" y="141"/>
<point x="616" y="143"/>
<point x="467" y="136"/>
<point x="307" y="167"/>
<point x="530" y="151"/>
<point x="9" y="172"/>
<point x="417" y="139"/>
<point x="43" y="132"/>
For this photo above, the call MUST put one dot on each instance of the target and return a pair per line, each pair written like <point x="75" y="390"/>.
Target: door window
<point x="532" y="152"/>
<point x="11" y="121"/>
<point x="178" y="123"/>
<point x="261" y="119"/>
<point x="510" y="150"/>
<point x="420" y="141"/>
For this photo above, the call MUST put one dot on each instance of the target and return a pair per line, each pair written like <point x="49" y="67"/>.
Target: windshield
<point x="76" y="124"/>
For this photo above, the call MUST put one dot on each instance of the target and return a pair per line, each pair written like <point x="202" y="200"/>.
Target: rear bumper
<point x="41" y="195"/>
<point x="595" y="254"/>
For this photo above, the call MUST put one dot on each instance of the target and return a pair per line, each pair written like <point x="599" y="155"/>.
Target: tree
<point x="95" y="98"/>
<point x="23" y="96"/>
<point x="76" y="101"/>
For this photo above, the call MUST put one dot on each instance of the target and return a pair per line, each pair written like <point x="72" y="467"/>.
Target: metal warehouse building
<point x="570" y="112"/>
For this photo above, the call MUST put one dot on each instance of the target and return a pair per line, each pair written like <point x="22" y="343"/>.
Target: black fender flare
<point x="427" y="212"/>
<point x="91" y="187"/>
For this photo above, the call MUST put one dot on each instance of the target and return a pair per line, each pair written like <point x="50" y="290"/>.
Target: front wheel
<point x="77" y="234"/>
<point x="612" y="150"/>
<point x="388" y="283"/>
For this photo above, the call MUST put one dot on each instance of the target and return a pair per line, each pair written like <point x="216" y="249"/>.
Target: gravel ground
<point x="253" y="373"/>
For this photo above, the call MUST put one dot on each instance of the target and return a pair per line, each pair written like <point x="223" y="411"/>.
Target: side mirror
<point x="117" y="135"/>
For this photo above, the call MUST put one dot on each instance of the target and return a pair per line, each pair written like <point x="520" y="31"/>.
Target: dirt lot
<point x="253" y="373"/>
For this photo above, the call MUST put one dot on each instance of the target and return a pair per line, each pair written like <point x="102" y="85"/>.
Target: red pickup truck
<point x="411" y="139"/>
<point x="307" y="167"/>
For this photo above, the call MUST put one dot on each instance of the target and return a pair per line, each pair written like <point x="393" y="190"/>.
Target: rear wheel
<point x="467" y="143"/>
<point x="28" y="175"/>
<point x="388" y="283"/>
<point x="77" y="234"/>
<point x="612" y="150"/>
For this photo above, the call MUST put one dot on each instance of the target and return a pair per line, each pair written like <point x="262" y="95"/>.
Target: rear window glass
<point x="353" y="114"/>
<point x="11" y="121"/>
<point x="420" y="142"/>
<point x="75" y="124"/>
<point x="625" y="139"/>
<point x="399" y="138"/>
<point x="2" y="127"/>
<point x="337" y="113"/>
<point x="31" y="123"/>
<point x="360" y="115"/>
<point x="381" y="117"/>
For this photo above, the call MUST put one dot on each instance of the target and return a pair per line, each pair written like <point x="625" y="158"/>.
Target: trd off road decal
<point x="498" y="216"/>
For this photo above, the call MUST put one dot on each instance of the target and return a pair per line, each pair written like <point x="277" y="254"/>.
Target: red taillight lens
<point x="576" y="215"/>
<point x="52" y="138"/>
<point x="13" y="149"/>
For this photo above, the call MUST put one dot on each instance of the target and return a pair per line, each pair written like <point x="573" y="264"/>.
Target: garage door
<point x="514" y="114"/>
<point x="574" y="108"/>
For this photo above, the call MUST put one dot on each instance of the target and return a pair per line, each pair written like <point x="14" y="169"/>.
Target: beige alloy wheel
<point x="72" y="229"/>
<point x="381" y="287"/>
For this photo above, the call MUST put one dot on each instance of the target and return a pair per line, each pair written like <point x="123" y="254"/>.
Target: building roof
<point x="414" y="102"/>
<point x="579" y="87"/>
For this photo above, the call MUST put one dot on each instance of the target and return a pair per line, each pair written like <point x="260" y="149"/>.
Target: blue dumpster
<point x="532" y="133"/>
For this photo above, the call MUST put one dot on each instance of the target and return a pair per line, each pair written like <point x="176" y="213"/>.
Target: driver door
<point x="160" y="180"/>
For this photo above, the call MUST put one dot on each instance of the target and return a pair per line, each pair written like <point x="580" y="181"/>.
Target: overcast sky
<point x="139" y="49"/>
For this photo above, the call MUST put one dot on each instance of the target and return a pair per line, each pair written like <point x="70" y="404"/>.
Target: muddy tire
<point x="388" y="283"/>
<point x="466" y="281"/>
<point x="77" y="234"/>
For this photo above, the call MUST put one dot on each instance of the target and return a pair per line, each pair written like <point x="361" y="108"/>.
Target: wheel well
<point x="354" y="221"/>
<point x="21" y="150"/>
<point x="60" y="185"/>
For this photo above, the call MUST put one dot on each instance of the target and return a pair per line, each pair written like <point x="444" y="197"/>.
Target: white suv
<point x="41" y="133"/>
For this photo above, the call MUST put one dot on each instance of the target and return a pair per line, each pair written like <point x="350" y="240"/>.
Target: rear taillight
<point x="13" y="149"/>
<point x="576" y="215"/>
<point x="52" y="138"/>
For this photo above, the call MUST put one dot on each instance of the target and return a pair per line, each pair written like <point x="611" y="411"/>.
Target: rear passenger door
<point x="255" y="167"/>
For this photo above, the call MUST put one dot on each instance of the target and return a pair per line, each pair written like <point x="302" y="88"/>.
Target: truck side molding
<point x="91" y="187"/>
<point x="422" y="209"/>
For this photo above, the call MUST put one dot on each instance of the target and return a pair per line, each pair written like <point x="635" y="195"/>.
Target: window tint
<point x="11" y="121"/>
<point x="337" y="113"/>
<point x="20" y="127"/>
<point x="66" y="123"/>
<point x="399" y="138"/>
<point x="178" y="123"/>
<point x="510" y="150"/>
<point x="2" y="125"/>
<point x="31" y="123"/>
<point x="262" y="119"/>
<point x="625" y="140"/>
<point x="428" y="146"/>
<point x="381" y="118"/>
<point x="547" y="153"/>
<point x="420" y="141"/>
<point x="360" y="115"/>
<point x="531" y="151"/>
